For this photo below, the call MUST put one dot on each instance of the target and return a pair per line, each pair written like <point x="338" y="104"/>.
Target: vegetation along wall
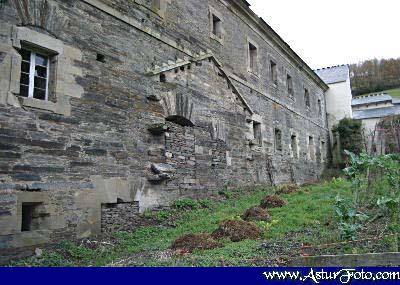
<point x="108" y="108"/>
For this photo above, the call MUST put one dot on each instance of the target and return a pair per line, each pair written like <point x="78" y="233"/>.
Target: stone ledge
<point x="61" y="107"/>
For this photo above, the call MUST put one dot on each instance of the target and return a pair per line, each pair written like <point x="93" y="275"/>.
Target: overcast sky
<point x="326" y="33"/>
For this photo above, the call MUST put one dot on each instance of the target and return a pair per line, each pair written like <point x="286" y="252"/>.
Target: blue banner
<point x="203" y="276"/>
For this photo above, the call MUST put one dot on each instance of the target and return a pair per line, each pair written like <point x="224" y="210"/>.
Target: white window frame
<point x="32" y="69"/>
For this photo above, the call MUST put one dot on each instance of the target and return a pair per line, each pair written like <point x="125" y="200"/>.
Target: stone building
<point x="111" y="107"/>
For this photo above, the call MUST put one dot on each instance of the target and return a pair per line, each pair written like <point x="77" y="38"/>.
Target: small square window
<point x="101" y="57"/>
<point x="163" y="78"/>
<point x="30" y="217"/>
<point x="274" y="72"/>
<point x="253" y="58"/>
<point x="278" y="140"/>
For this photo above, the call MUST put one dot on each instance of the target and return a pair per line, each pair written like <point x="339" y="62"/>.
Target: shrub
<point x="287" y="189"/>
<point x="192" y="242"/>
<point x="185" y="204"/>
<point x="237" y="230"/>
<point x="256" y="214"/>
<point x="273" y="201"/>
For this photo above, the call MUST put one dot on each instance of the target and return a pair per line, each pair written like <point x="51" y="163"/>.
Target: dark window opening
<point x="322" y="152"/>
<point x="163" y="78"/>
<point x="182" y="121"/>
<point x="216" y="26"/>
<point x="257" y="133"/>
<point x="307" y="98"/>
<point x="29" y="216"/>
<point x="274" y="72"/>
<point x="278" y="140"/>
<point x="101" y="57"/>
<point x="319" y="107"/>
<point x="253" y="58"/>
<point x="182" y="68"/>
<point x="289" y="83"/>
<point x="294" y="146"/>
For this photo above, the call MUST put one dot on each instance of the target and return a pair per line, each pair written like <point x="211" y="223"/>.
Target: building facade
<point x="371" y="110"/>
<point x="339" y="96"/>
<point x="111" y="107"/>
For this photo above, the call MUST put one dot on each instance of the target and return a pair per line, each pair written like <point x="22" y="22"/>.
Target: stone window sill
<point x="253" y="73"/>
<point x="216" y="38"/>
<point x="57" y="108"/>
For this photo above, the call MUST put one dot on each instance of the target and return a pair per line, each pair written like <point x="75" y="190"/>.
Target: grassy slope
<point x="395" y="93"/>
<point x="305" y="219"/>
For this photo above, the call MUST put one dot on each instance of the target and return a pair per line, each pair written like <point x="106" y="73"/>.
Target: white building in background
<point x="370" y="109"/>
<point x="338" y="97"/>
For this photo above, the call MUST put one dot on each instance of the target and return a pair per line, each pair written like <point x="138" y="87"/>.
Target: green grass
<point x="304" y="219"/>
<point x="395" y="93"/>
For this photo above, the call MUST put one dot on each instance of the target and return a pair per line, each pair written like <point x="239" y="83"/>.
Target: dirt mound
<point x="237" y="231"/>
<point x="192" y="242"/>
<point x="287" y="189"/>
<point x="256" y="214"/>
<point x="273" y="201"/>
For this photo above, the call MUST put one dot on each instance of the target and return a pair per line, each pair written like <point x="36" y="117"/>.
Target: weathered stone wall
<point x="119" y="216"/>
<point x="167" y="112"/>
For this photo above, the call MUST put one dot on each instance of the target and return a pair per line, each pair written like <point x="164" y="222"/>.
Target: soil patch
<point x="273" y="201"/>
<point x="237" y="230"/>
<point x="256" y="214"/>
<point x="192" y="242"/>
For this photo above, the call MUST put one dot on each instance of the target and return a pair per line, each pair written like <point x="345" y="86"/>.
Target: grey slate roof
<point x="371" y="99"/>
<point x="376" y="113"/>
<point x="334" y="74"/>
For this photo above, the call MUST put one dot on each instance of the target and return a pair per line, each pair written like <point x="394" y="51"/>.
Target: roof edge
<point x="269" y="32"/>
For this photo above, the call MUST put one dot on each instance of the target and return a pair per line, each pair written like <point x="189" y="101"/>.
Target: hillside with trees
<point x="375" y="76"/>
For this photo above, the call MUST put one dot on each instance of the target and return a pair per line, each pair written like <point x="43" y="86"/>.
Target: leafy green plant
<point x="350" y="220"/>
<point x="186" y="204"/>
<point x="375" y="181"/>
